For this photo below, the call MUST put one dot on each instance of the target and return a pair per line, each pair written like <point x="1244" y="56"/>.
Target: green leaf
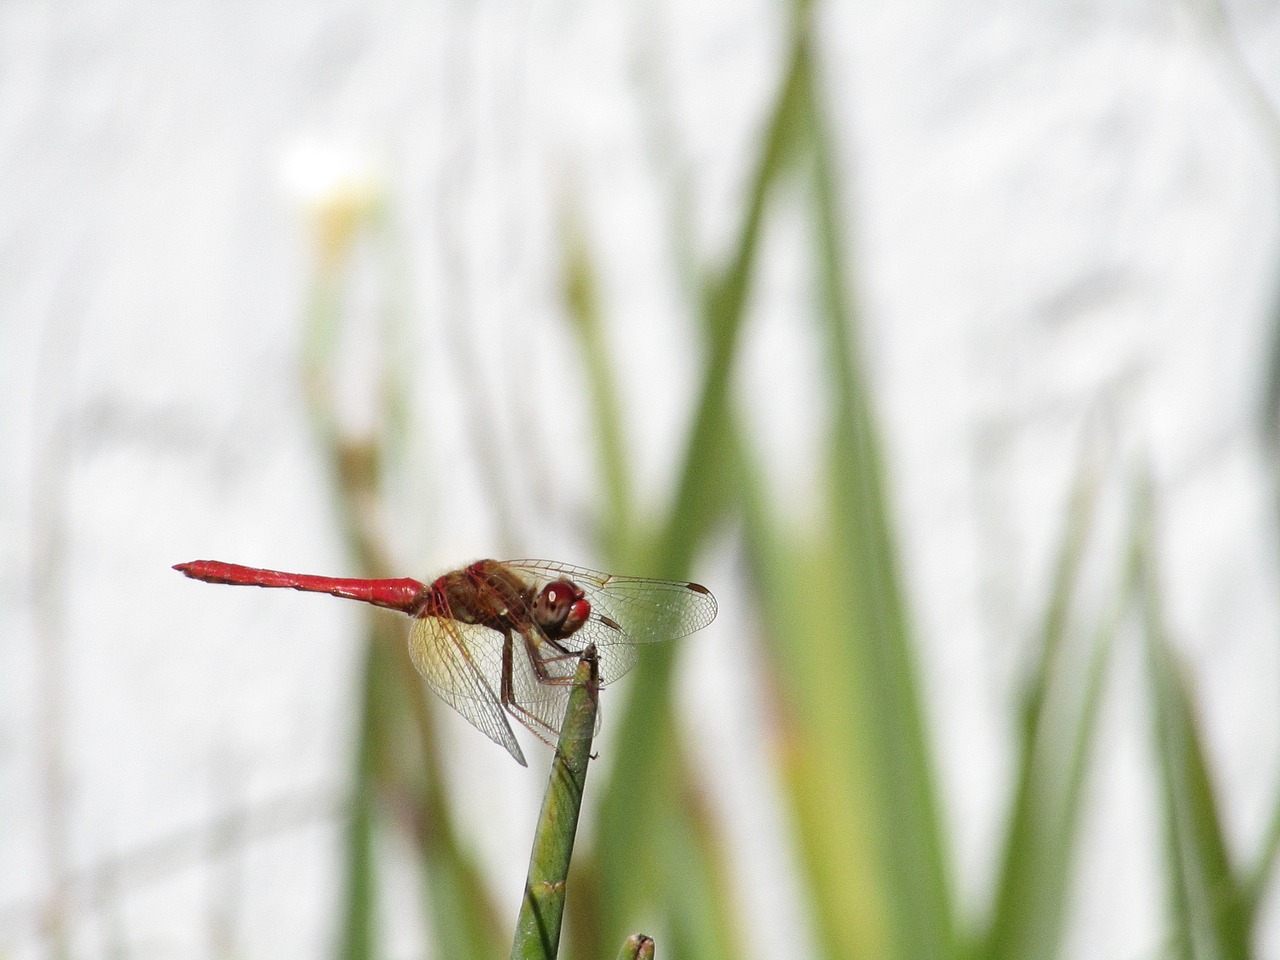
<point x="1059" y="720"/>
<point x="700" y="915"/>
<point x="823" y="757"/>
<point x="1259" y="878"/>
<point x="582" y="300"/>
<point x="635" y="798"/>
<point x="907" y="822"/>
<point x="1207" y="905"/>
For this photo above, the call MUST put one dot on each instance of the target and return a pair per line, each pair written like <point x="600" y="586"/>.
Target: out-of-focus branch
<point x="54" y="434"/>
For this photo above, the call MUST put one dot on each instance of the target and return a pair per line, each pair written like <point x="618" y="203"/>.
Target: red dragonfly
<point x="502" y="637"/>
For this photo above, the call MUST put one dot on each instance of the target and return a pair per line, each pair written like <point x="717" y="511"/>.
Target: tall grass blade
<point x="823" y="757"/>
<point x="461" y="924"/>
<point x="581" y="294"/>
<point x="694" y="874"/>
<point x="1207" y="905"/>
<point x="907" y="818"/>
<point x="464" y="921"/>
<point x="537" y="934"/>
<point x="1260" y="877"/>
<point x="701" y="921"/>
<point x="636" y="794"/>
<point x="357" y="938"/>
<point x="1059" y="718"/>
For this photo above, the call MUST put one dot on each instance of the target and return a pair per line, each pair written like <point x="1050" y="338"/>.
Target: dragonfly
<point x="501" y="639"/>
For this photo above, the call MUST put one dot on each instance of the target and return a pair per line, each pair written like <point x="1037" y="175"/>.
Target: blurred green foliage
<point x="854" y="761"/>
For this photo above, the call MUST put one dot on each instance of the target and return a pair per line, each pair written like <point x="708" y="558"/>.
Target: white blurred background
<point x="1062" y="214"/>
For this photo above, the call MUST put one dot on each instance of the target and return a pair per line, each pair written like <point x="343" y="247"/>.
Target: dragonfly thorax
<point x="484" y="593"/>
<point x="491" y="594"/>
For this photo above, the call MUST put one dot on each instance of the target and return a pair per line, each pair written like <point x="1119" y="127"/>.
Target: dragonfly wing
<point x="462" y="663"/>
<point x="630" y="609"/>
<point x="540" y="701"/>
<point x="615" y="661"/>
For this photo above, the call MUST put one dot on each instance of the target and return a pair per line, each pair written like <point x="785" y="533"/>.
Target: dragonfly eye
<point x="578" y="614"/>
<point x="557" y="611"/>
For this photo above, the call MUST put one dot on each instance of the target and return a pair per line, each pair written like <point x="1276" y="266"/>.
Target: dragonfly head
<point x="560" y="609"/>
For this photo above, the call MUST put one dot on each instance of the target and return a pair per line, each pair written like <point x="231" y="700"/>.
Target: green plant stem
<point x="359" y="916"/>
<point x="542" y="909"/>
<point x="636" y="947"/>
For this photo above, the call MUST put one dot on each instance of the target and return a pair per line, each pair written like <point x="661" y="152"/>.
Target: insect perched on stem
<point x="502" y="637"/>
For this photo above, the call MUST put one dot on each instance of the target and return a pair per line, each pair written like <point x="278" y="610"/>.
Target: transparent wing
<point x="626" y="610"/>
<point x="462" y="663"/>
<point x="540" y="701"/>
<point x="540" y="704"/>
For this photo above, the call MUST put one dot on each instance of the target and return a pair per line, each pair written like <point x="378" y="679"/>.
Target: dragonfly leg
<point x="506" y="694"/>
<point x="540" y="661"/>
<point x="535" y="725"/>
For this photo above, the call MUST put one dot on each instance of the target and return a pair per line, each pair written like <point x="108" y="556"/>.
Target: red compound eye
<point x="555" y="608"/>
<point x="578" y="615"/>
